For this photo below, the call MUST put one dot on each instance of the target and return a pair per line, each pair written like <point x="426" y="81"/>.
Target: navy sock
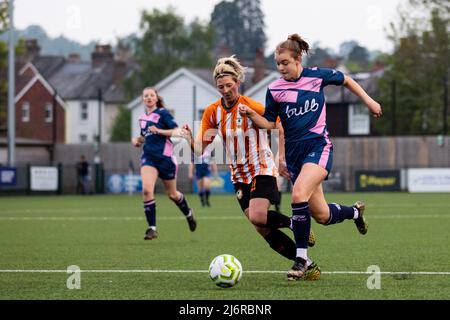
<point x="183" y="205"/>
<point x="301" y="224"/>
<point x="276" y="220"/>
<point x="150" y="212"/>
<point x="207" y="192"/>
<point x="281" y="243"/>
<point x="339" y="213"/>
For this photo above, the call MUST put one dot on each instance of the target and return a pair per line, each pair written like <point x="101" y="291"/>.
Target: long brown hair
<point x="160" y="101"/>
<point x="295" y="44"/>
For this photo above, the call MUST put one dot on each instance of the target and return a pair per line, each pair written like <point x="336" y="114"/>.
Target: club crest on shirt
<point x="239" y="194"/>
<point x="239" y="122"/>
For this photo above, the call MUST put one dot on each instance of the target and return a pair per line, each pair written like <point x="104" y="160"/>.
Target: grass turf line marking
<point x="424" y="216"/>
<point x="205" y="271"/>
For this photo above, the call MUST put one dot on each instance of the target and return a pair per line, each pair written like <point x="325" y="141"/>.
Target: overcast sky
<point x="329" y="22"/>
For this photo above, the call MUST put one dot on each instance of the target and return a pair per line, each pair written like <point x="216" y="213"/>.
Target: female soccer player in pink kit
<point x="298" y="99"/>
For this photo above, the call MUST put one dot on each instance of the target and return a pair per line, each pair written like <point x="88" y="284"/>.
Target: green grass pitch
<point x="407" y="233"/>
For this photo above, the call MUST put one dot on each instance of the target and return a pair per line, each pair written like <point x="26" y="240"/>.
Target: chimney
<point x="259" y="66"/>
<point x="119" y="73"/>
<point x="378" y="65"/>
<point x="30" y="50"/>
<point x="101" y="55"/>
<point x="223" y="51"/>
<point x="330" y="62"/>
<point x="123" y="53"/>
<point x="74" y="57"/>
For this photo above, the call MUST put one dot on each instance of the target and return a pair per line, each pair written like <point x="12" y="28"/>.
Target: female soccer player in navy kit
<point x="202" y="166"/>
<point x="157" y="126"/>
<point x="298" y="99"/>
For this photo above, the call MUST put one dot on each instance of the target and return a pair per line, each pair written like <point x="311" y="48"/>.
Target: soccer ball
<point x="225" y="270"/>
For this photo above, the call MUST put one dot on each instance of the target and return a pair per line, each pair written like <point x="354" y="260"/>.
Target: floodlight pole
<point x="11" y="88"/>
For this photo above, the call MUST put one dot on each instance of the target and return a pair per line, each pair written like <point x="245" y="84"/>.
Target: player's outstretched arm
<point x="257" y="119"/>
<point x="175" y="132"/>
<point x="197" y="146"/>
<point x="355" y="88"/>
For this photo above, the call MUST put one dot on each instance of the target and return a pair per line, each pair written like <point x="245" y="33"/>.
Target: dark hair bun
<point x="295" y="37"/>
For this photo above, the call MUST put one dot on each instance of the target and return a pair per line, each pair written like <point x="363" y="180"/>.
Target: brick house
<point x="39" y="110"/>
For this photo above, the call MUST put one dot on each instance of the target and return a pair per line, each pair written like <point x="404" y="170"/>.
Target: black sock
<point x="301" y="224"/>
<point x="281" y="243"/>
<point x="182" y="205"/>
<point x="278" y="204"/>
<point x="276" y="220"/>
<point x="339" y="213"/>
<point x="200" y="194"/>
<point x="207" y="192"/>
<point x="150" y="212"/>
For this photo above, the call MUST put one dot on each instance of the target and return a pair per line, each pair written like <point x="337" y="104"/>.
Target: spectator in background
<point x="83" y="176"/>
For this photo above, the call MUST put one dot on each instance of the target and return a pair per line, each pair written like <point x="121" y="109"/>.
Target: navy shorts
<point x="202" y="171"/>
<point x="167" y="166"/>
<point x="318" y="151"/>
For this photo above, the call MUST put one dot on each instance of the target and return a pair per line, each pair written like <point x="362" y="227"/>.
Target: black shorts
<point x="261" y="187"/>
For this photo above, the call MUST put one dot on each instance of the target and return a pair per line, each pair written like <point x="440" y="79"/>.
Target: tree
<point x="239" y="26"/>
<point x="358" y="59"/>
<point x="318" y="56"/>
<point x="166" y="45"/>
<point x="346" y="47"/>
<point x="3" y="16"/>
<point x="200" y="40"/>
<point x="417" y="70"/>
<point x="121" y="130"/>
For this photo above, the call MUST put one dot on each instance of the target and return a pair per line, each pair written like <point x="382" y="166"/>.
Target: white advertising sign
<point x="358" y="120"/>
<point x="429" y="180"/>
<point x="44" y="178"/>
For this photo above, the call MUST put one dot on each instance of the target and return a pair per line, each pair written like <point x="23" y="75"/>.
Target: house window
<point x="84" y="111"/>
<point x="83" y="138"/>
<point x="48" y="112"/>
<point x="358" y="120"/>
<point x="26" y="112"/>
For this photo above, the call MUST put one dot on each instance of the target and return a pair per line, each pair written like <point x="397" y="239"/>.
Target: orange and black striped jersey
<point x="247" y="147"/>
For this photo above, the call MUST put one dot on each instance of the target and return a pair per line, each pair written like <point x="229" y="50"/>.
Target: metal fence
<point x="350" y="156"/>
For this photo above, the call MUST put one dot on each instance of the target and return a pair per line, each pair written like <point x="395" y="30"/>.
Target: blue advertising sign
<point x="8" y="176"/>
<point x="124" y="183"/>
<point x="219" y="184"/>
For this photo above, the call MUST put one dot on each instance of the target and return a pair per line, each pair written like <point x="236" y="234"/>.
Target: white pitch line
<point x="205" y="271"/>
<point x="387" y="217"/>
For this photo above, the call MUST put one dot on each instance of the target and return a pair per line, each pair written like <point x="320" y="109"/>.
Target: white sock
<point x="309" y="262"/>
<point x="302" y="253"/>
<point x="356" y="213"/>
<point x="290" y="226"/>
<point x="190" y="214"/>
<point x="153" y="228"/>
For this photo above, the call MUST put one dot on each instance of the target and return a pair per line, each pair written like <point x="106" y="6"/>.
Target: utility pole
<point x="54" y="125"/>
<point x="100" y="102"/>
<point x="394" y="107"/>
<point x="445" y="131"/>
<point x="11" y="89"/>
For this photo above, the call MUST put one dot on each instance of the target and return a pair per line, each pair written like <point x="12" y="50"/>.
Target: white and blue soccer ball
<point x="225" y="270"/>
